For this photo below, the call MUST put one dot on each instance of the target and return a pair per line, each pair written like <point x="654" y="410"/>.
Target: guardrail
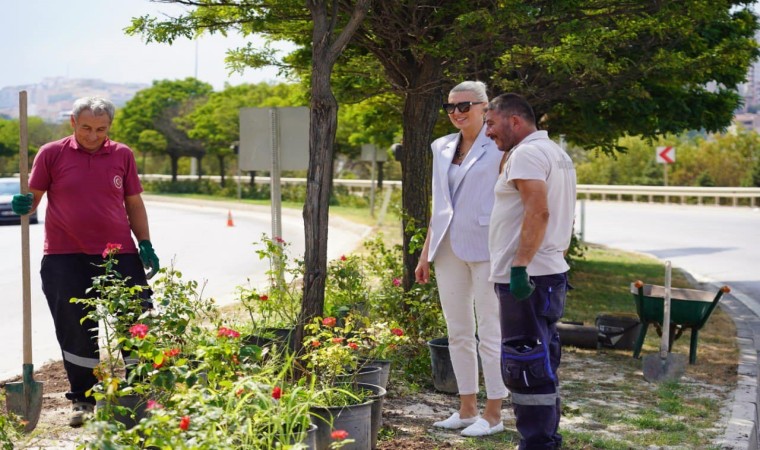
<point x="731" y="196"/>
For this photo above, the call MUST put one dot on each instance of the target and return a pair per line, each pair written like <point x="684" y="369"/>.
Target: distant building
<point x="52" y="98"/>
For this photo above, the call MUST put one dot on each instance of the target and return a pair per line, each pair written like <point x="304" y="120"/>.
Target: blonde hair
<point x="476" y="87"/>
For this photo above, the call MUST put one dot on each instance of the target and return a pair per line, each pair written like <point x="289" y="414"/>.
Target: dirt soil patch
<point x="604" y="395"/>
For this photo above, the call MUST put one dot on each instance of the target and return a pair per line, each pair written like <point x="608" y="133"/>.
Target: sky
<point x="85" y="39"/>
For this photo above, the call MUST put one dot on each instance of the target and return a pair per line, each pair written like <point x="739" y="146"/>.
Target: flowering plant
<point x="346" y="287"/>
<point x="330" y="350"/>
<point x="379" y="339"/>
<point x="280" y="302"/>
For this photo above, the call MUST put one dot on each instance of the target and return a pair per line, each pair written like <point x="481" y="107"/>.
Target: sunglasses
<point x="463" y="107"/>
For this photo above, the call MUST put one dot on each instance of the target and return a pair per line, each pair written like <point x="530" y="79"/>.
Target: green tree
<point x="216" y="122"/>
<point x="327" y="26"/>
<point x="157" y="108"/>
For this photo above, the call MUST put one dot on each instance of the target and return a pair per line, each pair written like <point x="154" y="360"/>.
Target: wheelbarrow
<point x="690" y="309"/>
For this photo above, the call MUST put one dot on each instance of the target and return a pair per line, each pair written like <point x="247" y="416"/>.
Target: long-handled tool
<point x="666" y="366"/>
<point x="24" y="398"/>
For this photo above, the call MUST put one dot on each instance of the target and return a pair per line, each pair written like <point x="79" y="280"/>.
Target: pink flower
<point x="343" y="257"/>
<point x="139" y="330"/>
<point x="227" y="332"/>
<point x="353" y="345"/>
<point x="397" y="331"/>
<point x="396" y="282"/>
<point x="184" y="423"/>
<point x="329" y="322"/>
<point x="279" y="240"/>
<point x="263" y="297"/>
<point x="276" y="393"/>
<point x="111" y="249"/>
<point x="339" y="435"/>
<point x="152" y="404"/>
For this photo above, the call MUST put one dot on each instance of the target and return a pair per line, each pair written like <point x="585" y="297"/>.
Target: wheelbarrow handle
<point x="721" y="291"/>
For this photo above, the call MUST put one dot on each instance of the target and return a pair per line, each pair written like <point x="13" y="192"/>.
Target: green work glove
<point x="149" y="258"/>
<point x="22" y="203"/>
<point x="520" y="284"/>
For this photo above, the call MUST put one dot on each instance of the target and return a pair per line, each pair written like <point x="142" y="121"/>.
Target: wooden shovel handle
<point x="23" y="170"/>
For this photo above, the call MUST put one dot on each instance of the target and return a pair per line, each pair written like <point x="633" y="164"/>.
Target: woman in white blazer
<point x="465" y="169"/>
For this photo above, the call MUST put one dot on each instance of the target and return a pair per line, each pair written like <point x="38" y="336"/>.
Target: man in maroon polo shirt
<point x="93" y="199"/>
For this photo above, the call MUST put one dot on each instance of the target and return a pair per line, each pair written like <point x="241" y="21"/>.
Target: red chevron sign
<point x="665" y="155"/>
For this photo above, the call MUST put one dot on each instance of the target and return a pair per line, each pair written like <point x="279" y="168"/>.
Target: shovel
<point x="665" y="366"/>
<point x="24" y="398"/>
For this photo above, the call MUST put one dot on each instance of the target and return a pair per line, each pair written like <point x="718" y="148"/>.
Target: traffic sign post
<point x="665" y="155"/>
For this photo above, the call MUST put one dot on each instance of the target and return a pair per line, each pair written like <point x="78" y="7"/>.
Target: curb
<point x="741" y="414"/>
<point x="741" y="429"/>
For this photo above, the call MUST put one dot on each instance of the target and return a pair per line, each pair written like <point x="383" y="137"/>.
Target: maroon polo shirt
<point x="86" y="194"/>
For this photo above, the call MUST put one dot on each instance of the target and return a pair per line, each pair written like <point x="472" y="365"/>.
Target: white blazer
<point x="467" y="214"/>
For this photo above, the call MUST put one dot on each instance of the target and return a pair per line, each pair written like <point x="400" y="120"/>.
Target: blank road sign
<point x="262" y="128"/>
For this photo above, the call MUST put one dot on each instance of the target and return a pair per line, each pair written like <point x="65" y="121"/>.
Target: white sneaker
<point x="455" y="423"/>
<point x="482" y="428"/>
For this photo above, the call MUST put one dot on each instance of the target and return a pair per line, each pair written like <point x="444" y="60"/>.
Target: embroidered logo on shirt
<point x="117" y="181"/>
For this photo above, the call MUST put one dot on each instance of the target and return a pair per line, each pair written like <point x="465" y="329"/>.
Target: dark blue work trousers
<point x="69" y="276"/>
<point x="530" y="357"/>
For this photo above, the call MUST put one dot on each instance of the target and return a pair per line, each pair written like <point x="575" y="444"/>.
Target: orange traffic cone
<point x="230" y="223"/>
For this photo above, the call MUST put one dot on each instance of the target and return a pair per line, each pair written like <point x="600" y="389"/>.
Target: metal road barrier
<point x="725" y="196"/>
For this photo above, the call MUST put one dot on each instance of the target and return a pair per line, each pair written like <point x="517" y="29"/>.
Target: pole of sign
<point x="665" y="173"/>
<point x="276" y="197"/>
<point x="372" y="184"/>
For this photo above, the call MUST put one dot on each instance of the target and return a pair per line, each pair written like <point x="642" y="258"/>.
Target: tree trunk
<point x="324" y="119"/>
<point x="419" y="117"/>
<point x="326" y="47"/>
<point x="175" y="166"/>
<point x="221" y="169"/>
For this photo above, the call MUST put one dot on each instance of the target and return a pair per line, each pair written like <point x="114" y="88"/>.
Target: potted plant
<point x="273" y="311"/>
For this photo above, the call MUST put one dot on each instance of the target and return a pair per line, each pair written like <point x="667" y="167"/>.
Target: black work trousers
<point x="530" y="357"/>
<point x="69" y="276"/>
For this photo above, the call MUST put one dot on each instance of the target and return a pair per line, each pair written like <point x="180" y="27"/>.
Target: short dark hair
<point x="513" y="104"/>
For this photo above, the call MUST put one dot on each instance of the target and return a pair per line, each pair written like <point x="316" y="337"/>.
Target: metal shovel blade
<point x="670" y="368"/>
<point x="665" y="366"/>
<point x="24" y="398"/>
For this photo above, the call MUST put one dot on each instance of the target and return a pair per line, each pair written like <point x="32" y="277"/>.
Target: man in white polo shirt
<point x="530" y="229"/>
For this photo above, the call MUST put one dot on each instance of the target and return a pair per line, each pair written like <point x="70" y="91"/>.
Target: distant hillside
<point x="52" y="98"/>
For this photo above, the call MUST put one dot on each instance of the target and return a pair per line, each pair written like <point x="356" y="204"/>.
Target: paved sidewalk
<point x="742" y="413"/>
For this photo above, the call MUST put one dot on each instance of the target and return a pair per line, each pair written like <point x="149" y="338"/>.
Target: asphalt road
<point x="715" y="244"/>
<point x="195" y="238"/>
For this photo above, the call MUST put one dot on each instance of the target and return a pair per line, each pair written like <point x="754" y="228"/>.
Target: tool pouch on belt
<point x="525" y="363"/>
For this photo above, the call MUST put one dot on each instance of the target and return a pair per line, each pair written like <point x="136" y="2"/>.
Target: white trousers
<point x="470" y="305"/>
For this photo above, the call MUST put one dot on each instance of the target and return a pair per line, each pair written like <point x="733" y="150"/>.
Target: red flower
<point x="339" y="435"/>
<point x="184" y="423"/>
<point x="171" y="353"/>
<point x="276" y="393"/>
<point x="235" y="359"/>
<point x="240" y="392"/>
<point x="279" y="240"/>
<point x="227" y="332"/>
<point x="337" y="340"/>
<point x="329" y="322"/>
<point x="263" y="297"/>
<point x="315" y="343"/>
<point x="397" y="331"/>
<point x="353" y="345"/>
<point x="343" y="257"/>
<point x="396" y="282"/>
<point x="139" y="330"/>
<point x="159" y="365"/>
<point x="111" y="249"/>
<point x="152" y="404"/>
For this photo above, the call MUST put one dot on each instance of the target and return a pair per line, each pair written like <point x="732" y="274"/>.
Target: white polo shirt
<point x="535" y="158"/>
